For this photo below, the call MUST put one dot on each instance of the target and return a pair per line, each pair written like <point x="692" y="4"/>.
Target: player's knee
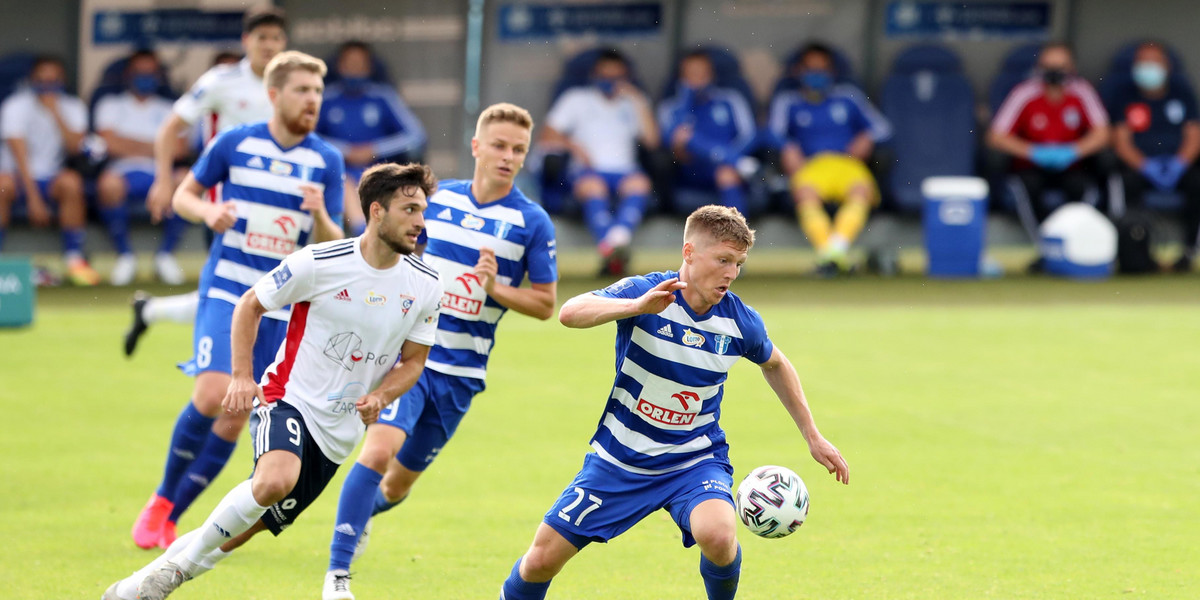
<point x="271" y="486"/>
<point x="591" y="187"/>
<point x="8" y="188"/>
<point x="69" y="184"/>
<point x="376" y="457"/>
<point x="396" y="489"/>
<point x="718" y="542"/>
<point x="635" y="184"/>
<point x="540" y="565"/>
<point x="111" y="189"/>
<point x="728" y="177"/>
<point x="807" y="196"/>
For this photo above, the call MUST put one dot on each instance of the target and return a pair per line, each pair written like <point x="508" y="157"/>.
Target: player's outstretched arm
<point x="536" y="301"/>
<point x="397" y="381"/>
<point x="782" y="377"/>
<point x="166" y="146"/>
<point x="589" y="310"/>
<point x="242" y="387"/>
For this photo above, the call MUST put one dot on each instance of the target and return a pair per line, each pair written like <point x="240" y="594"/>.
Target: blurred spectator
<point x="826" y="133"/>
<point x="1157" y="137"/>
<point x="128" y="123"/>
<point x="707" y="130"/>
<point x="368" y="122"/>
<point x="42" y="127"/>
<point x="600" y="125"/>
<point x="1049" y="124"/>
<point x="226" y="57"/>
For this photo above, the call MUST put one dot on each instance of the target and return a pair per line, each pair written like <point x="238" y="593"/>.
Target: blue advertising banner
<point x="167" y="25"/>
<point x="521" y="21"/>
<point x="973" y="20"/>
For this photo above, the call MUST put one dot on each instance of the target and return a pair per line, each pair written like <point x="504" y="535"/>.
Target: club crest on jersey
<point x="501" y="229"/>
<point x="472" y="222"/>
<point x="691" y="338"/>
<point x="278" y="167"/>
<point x="722" y="342"/>
<point x="406" y="302"/>
<point x="375" y="299"/>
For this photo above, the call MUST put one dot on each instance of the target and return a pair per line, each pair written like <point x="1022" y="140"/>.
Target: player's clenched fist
<point x="486" y="269"/>
<point x="240" y="395"/>
<point x="314" y="199"/>
<point x="659" y="297"/>
<point x="369" y="406"/>
<point x="158" y="200"/>
<point x="221" y="216"/>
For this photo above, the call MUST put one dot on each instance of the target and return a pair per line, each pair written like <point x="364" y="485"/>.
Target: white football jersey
<point x="349" y="321"/>
<point x="231" y="92"/>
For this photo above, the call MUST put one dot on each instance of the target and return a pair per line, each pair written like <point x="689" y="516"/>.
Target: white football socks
<point x="177" y="309"/>
<point x="236" y="513"/>
<point x="127" y="589"/>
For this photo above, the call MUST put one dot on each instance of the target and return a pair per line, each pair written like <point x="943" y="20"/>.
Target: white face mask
<point x="1149" y="75"/>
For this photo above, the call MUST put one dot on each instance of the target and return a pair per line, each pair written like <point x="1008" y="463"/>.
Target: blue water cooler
<point x="954" y="220"/>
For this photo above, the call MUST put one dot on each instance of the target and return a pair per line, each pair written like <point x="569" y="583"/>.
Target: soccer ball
<point x="772" y="501"/>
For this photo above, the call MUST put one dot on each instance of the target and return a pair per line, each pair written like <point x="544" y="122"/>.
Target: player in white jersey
<point x="231" y="94"/>
<point x="484" y="238"/>
<point x="365" y="312"/>
<point x="659" y="444"/>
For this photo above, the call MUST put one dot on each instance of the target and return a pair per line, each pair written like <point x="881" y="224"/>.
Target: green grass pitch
<point x="1007" y="439"/>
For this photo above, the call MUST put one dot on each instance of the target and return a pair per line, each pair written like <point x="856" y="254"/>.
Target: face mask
<point x="1054" y="76"/>
<point x="1149" y="75"/>
<point x="606" y="86"/>
<point x="143" y="83"/>
<point x="817" y="81"/>
<point x="355" y="85"/>
<point x="47" y="87"/>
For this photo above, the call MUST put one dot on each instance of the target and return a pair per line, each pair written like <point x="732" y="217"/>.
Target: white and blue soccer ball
<point x="772" y="501"/>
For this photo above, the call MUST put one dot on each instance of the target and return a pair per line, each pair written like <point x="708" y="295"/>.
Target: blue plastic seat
<point x="930" y="104"/>
<point x="1017" y="66"/>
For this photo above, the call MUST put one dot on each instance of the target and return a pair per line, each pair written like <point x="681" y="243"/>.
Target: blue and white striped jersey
<point x="263" y="181"/>
<point x="665" y="402"/>
<point x="522" y="235"/>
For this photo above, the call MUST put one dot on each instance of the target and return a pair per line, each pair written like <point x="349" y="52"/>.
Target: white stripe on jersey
<point x="302" y="156"/>
<point x="684" y="355"/>
<point x="237" y="273"/>
<point x="441" y="230"/>
<point x="623" y="396"/>
<point x="262" y="180"/>
<point x="463" y="203"/>
<point x="463" y="341"/>
<point x="640" y="443"/>
<point x="455" y="370"/>
<point x="613" y="460"/>
<point x="719" y="325"/>
<point x="220" y="294"/>
<point x="645" y="377"/>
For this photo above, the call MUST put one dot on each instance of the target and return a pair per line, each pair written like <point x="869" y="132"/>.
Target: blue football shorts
<point x="430" y="413"/>
<point x="604" y="501"/>
<point x="211" y="340"/>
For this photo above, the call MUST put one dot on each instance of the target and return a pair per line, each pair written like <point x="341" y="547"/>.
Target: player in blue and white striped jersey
<point x="484" y="238"/>
<point x="281" y="188"/>
<point x="659" y="444"/>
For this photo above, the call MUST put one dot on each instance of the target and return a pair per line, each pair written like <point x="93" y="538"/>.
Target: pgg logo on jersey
<point x="689" y="402"/>
<point x="346" y="350"/>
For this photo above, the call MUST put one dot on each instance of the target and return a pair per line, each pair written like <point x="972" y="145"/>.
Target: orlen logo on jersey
<point x="461" y="304"/>
<point x="688" y="401"/>
<point x="285" y="223"/>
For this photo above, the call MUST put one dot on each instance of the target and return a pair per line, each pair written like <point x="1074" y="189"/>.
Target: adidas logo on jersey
<point x="445" y="215"/>
<point x="255" y="162"/>
<point x="343" y="295"/>
<point x="345" y="529"/>
<point x="665" y="331"/>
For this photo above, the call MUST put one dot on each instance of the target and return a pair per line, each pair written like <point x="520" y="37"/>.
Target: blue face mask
<point x="606" y="86"/>
<point x="355" y="85"/>
<point x="1149" y="75"/>
<point x="817" y="81"/>
<point x="144" y="84"/>
<point x="47" y="87"/>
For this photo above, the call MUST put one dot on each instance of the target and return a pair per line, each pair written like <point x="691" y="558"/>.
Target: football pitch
<point x="1021" y="438"/>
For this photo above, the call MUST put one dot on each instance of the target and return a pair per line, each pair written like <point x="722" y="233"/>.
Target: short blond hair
<point x="504" y="112"/>
<point x="284" y="63"/>
<point x="723" y="223"/>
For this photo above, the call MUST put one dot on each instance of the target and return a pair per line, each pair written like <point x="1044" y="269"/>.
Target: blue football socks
<point x="516" y="588"/>
<point x="191" y="429"/>
<point x="354" y="509"/>
<point x="721" y="583"/>
<point x="116" y="221"/>
<point x="203" y="470"/>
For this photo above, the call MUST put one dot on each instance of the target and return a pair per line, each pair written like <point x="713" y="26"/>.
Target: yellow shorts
<point x="834" y="175"/>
